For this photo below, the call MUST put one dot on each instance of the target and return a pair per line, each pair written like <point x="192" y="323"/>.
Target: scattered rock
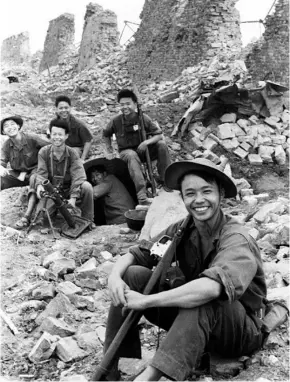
<point x="68" y="350"/>
<point x="57" y="327"/>
<point x="44" y="292"/>
<point x="68" y="288"/>
<point x="87" y="270"/>
<point x="62" y="266"/>
<point x="60" y="305"/>
<point x="82" y="302"/>
<point x="43" y="349"/>
<point x="106" y="267"/>
<point x="89" y="341"/>
<point x="51" y="258"/>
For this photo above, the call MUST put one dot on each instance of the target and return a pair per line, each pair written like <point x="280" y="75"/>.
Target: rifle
<point x="143" y="137"/>
<point x="74" y="225"/>
<point x="133" y="317"/>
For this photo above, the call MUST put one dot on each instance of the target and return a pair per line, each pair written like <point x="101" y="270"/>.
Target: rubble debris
<point x="88" y="341"/>
<point x="45" y="292"/>
<point x="63" y="266"/>
<point x="68" y="288"/>
<point x="57" y="327"/>
<point x="60" y="305"/>
<point x="68" y="350"/>
<point x="44" y="348"/>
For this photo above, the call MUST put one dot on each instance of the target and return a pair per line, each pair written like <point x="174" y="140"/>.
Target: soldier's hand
<point x="72" y="202"/>
<point x="3" y="171"/>
<point x="39" y="190"/>
<point x="142" y="147"/>
<point x="117" y="288"/>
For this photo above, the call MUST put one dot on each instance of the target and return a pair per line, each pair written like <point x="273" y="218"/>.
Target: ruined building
<point x="100" y="35"/>
<point x="175" y="34"/>
<point x="269" y="56"/>
<point x="59" y="37"/>
<point x="16" y="49"/>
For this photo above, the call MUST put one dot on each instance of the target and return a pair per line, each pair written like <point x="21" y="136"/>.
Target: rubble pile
<point x="61" y="305"/>
<point x="98" y="84"/>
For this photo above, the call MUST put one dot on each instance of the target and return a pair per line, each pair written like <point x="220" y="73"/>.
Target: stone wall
<point x="100" y="35"/>
<point x="16" y="49"/>
<point x="59" y="37"/>
<point x="175" y="34"/>
<point x="269" y="56"/>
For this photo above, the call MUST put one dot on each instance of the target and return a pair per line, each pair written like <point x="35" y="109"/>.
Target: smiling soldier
<point x="126" y="128"/>
<point x="219" y="305"/>
<point x="61" y="165"/>
<point x="20" y="150"/>
<point x="80" y="137"/>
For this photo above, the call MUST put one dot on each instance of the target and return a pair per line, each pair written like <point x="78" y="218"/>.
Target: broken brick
<point x="57" y="327"/>
<point x="255" y="159"/>
<point x="45" y="292"/>
<point x="68" y="350"/>
<point x="241" y="153"/>
<point x="63" y="266"/>
<point x="68" y="288"/>
<point x="224" y="131"/>
<point x="87" y="270"/>
<point x="44" y="348"/>
<point x="57" y="306"/>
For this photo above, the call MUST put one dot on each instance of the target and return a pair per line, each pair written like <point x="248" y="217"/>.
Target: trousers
<point x="159" y="151"/>
<point x="9" y="181"/>
<point x="216" y="326"/>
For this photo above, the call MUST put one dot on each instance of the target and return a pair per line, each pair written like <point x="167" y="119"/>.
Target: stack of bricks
<point x="269" y="56"/>
<point x="176" y="34"/>
<point x="100" y="35"/>
<point x="59" y="37"/>
<point x="258" y="141"/>
<point x="15" y="49"/>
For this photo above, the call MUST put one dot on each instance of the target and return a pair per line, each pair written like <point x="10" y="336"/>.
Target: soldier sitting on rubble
<point x="126" y="128"/>
<point x="61" y="165"/>
<point x="21" y="151"/>
<point x="80" y="137"/>
<point x="116" y="198"/>
<point x="218" y="307"/>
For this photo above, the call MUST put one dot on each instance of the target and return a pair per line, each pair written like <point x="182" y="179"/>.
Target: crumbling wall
<point x="269" y="56"/>
<point x="16" y="49"/>
<point x="175" y="34"/>
<point x="100" y="35"/>
<point x="60" y="35"/>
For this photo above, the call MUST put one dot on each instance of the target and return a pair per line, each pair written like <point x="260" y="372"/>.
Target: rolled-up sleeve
<point x="152" y="128"/>
<point x="5" y="154"/>
<point x="234" y="266"/>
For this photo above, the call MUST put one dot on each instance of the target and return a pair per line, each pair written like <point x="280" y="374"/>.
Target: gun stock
<point x="134" y="316"/>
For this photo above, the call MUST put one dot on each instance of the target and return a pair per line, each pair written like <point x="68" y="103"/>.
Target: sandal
<point x="23" y="222"/>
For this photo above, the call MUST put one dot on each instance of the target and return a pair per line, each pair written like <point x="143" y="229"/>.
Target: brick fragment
<point x="68" y="350"/>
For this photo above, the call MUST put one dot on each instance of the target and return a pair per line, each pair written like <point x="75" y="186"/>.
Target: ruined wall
<point x="269" y="57"/>
<point x="100" y="35"/>
<point x="59" y="37"/>
<point x="16" y="49"/>
<point x="175" y="34"/>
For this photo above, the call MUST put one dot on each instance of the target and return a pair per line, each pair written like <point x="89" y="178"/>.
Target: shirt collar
<point x="21" y="143"/>
<point x="64" y="155"/>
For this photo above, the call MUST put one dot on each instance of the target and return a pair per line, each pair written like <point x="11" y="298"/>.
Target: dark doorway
<point x="116" y="167"/>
